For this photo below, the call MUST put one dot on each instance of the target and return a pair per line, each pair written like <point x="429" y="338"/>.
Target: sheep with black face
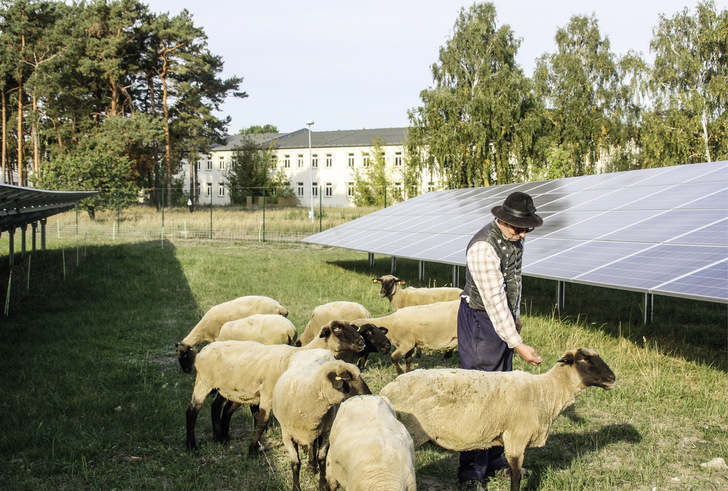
<point x="461" y="410"/>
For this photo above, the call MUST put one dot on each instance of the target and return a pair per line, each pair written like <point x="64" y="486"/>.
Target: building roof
<point x="320" y="139"/>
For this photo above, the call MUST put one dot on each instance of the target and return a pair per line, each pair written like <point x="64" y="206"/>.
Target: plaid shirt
<point x="484" y="265"/>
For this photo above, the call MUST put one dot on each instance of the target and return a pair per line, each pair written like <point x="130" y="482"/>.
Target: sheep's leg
<point x="362" y="361"/>
<point x="261" y="423"/>
<point x="312" y="462"/>
<point x="199" y="393"/>
<point x="292" y="449"/>
<point x="227" y="413"/>
<point x="216" y="412"/>
<point x="191" y="420"/>
<point x="322" y="448"/>
<point x="515" y="464"/>
<point x="408" y="359"/>
<point x="406" y="350"/>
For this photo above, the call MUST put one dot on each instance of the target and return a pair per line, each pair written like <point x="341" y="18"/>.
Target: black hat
<point x="518" y="210"/>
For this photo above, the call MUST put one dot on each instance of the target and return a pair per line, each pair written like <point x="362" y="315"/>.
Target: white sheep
<point x="332" y="311"/>
<point x="245" y="373"/>
<point x="304" y="403"/>
<point x="461" y="410"/>
<point x="369" y="449"/>
<point x="432" y="326"/>
<point x="407" y="297"/>
<point x="264" y="328"/>
<point x="209" y="326"/>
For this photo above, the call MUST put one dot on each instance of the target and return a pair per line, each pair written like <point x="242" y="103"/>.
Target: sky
<point x="347" y="64"/>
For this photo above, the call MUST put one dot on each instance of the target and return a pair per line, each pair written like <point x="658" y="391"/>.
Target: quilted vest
<point x="511" y="257"/>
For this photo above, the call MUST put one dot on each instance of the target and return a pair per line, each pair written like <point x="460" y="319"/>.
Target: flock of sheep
<point x="313" y="385"/>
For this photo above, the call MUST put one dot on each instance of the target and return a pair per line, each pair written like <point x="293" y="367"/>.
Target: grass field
<point x="92" y="396"/>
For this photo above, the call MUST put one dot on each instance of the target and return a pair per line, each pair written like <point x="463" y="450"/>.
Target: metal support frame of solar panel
<point x="21" y="206"/>
<point x="661" y="231"/>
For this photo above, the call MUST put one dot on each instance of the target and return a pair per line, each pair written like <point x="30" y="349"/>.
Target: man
<point x="489" y="324"/>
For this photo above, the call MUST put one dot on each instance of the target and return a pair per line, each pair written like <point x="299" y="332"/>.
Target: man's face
<point x="513" y="234"/>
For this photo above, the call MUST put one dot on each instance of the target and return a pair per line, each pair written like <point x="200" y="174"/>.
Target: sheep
<point x="369" y="449"/>
<point x="432" y="326"/>
<point x="408" y="297"/>
<point x="323" y="314"/>
<point x="209" y="326"/>
<point x="245" y="372"/>
<point x="264" y="328"/>
<point x="376" y="342"/>
<point x="461" y="410"/>
<point x="304" y="403"/>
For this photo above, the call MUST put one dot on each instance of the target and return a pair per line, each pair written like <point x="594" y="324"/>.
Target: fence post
<point x="263" y="214"/>
<point x="7" y="297"/>
<point x="210" y="214"/>
<point x="163" y="219"/>
<point x="321" y="207"/>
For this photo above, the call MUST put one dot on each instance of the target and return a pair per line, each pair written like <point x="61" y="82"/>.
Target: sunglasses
<point x="518" y="230"/>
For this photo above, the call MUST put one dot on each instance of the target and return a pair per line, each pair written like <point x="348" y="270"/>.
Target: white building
<point x="327" y="169"/>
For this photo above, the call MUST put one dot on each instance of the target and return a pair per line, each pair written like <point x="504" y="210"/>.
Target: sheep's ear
<point x="568" y="358"/>
<point x="338" y="381"/>
<point x="401" y="282"/>
<point x="384" y="330"/>
<point x="325" y="332"/>
<point x="378" y="281"/>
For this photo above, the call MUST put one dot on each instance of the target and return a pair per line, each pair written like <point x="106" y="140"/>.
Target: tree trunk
<point x="35" y="138"/>
<point x="21" y="167"/>
<point x="4" y="143"/>
<point x="704" y="121"/>
<point x="167" y="145"/>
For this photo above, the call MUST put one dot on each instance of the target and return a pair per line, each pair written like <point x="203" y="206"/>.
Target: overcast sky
<point x="348" y="64"/>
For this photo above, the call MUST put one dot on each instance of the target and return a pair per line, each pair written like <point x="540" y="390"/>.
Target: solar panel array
<point x="661" y="231"/>
<point x="21" y="206"/>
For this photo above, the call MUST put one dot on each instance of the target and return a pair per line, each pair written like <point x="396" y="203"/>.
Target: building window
<point x="365" y="159"/>
<point x="299" y="189"/>
<point x="209" y="189"/>
<point x="398" y="188"/>
<point x="314" y="189"/>
<point x="287" y="161"/>
<point x="398" y="159"/>
<point x="430" y="186"/>
<point x="329" y="160"/>
<point x="328" y="190"/>
<point x="274" y="161"/>
<point x="299" y="161"/>
<point x="349" y="189"/>
<point x="350" y="160"/>
<point x="221" y="164"/>
<point x="221" y="189"/>
<point x="197" y="190"/>
<point x="198" y="165"/>
<point x="314" y="160"/>
<point x="209" y="164"/>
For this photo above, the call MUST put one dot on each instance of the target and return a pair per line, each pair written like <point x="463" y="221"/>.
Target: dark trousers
<point x="480" y="348"/>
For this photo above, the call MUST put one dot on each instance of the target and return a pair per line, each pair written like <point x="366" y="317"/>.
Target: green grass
<point x="92" y="396"/>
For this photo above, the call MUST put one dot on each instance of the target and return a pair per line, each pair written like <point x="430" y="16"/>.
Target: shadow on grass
<point x="562" y="449"/>
<point x="559" y="452"/>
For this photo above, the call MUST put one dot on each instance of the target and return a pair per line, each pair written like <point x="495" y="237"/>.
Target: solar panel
<point x="662" y="231"/>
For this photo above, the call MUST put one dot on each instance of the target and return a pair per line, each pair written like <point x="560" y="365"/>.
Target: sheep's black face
<point x="348" y="383"/>
<point x="186" y="355"/>
<point x="375" y="338"/>
<point x="591" y="368"/>
<point x="389" y="284"/>
<point x="348" y="337"/>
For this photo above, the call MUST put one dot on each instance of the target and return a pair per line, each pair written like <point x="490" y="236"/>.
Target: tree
<point x="579" y="85"/>
<point x="259" y="130"/>
<point x="689" y="84"/>
<point x="372" y="186"/>
<point x="466" y="129"/>
<point x="249" y="171"/>
<point x="190" y="87"/>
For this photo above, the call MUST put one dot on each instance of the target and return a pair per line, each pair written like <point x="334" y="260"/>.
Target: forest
<point x="109" y="96"/>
